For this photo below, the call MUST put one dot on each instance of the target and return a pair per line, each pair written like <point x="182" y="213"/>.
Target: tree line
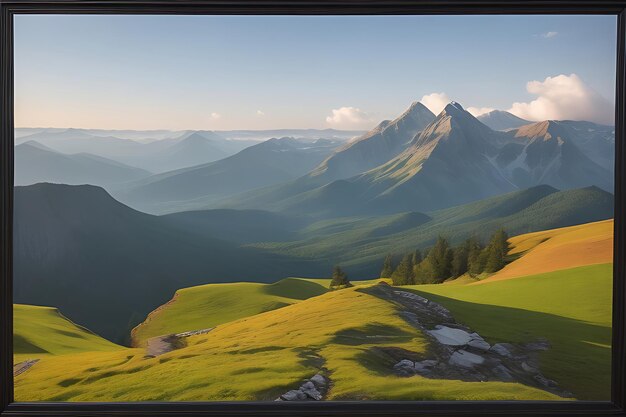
<point x="442" y="261"/>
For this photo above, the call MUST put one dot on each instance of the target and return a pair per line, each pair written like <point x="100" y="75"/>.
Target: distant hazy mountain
<point x="35" y="163"/>
<point x="502" y="120"/>
<point x="191" y="148"/>
<point x="106" y="266"/>
<point x="138" y="135"/>
<point x="596" y="141"/>
<point x="375" y="147"/>
<point x="550" y="153"/>
<point x="312" y="134"/>
<point x="270" y="162"/>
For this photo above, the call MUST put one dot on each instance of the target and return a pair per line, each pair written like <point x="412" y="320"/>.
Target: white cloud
<point x="477" y="111"/>
<point x="435" y="101"/>
<point x="260" y="113"/>
<point x="564" y="97"/>
<point x="349" y="118"/>
<point x="549" y="35"/>
<point x="216" y="116"/>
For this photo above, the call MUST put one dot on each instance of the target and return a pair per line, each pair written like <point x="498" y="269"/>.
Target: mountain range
<point x="191" y="148"/>
<point x="455" y="159"/>
<point x="271" y="162"/>
<point x="35" y="163"/>
<point x="502" y="120"/>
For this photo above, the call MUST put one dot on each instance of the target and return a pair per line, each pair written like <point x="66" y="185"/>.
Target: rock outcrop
<point x="312" y="389"/>
<point x="457" y="352"/>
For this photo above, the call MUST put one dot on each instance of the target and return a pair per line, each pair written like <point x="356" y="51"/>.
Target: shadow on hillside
<point x="579" y="358"/>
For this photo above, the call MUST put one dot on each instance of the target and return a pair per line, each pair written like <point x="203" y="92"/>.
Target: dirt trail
<point x="22" y="367"/>
<point x="159" y="345"/>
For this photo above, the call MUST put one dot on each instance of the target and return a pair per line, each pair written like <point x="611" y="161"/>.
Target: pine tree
<point x="497" y="250"/>
<point x="387" y="267"/>
<point x="475" y="264"/>
<point x="459" y="260"/>
<point x="403" y="275"/>
<point x="440" y="258"/>
<point x="340" y="278"/>
<point x="423" y="273"/>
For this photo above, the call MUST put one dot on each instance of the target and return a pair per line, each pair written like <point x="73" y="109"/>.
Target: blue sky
<point x="258" y="72"/>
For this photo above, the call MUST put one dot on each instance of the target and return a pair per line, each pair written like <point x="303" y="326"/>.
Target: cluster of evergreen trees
<point x="339" y="279"/>
<point x="442" y="261"/>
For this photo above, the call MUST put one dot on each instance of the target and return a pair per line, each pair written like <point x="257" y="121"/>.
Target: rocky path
<point x="457" y="352"/>
<point x="313" y="389"/>
<point x="159" y="345"/>
<point x="22" y="367"/>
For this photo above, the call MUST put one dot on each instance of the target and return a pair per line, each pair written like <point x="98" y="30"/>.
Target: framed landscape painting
<point x="276" y="208"/>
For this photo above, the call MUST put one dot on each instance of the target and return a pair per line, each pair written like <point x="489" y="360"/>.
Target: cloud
<point x="549" y="35"/>
<point x="260" y="113"/>
<point x="349" y="118"/>
<point x="477" y="111"/>
<point x="435" y="101"/>
<point x="564" y="97"/>
<point x="216" y="116"/>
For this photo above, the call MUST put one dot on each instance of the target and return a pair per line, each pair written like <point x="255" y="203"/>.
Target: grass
<point x="571" y="308"/>
<point x="268" y="338"/>
<point x="42" y="331"/>
<point x="209" y="305"/>
<point x="551" y="250"/>
<point x="262" y="356"/>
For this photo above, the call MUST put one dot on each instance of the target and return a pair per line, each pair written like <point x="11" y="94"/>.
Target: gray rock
<point x="312" y="393"/>
<point x="502" y="349"/>
<point x="479" y="344"/>
<point x="425" y="365"/>
<point x="294" y="395"/>
<point x="307" y="385"/>
<point x="529" y="368"/>
<point x="319" y="380"/>
<point x="450" y="337"/>
<point x="465" y="359"/>
<point x="404" y="363"/>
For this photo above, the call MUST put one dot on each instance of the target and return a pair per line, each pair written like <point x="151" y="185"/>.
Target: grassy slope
<point x="41" y="331"/>
<point x="571" y="308"/>
<point x="552" y="250"/>
<point x="208" y="305"/>
<point x="260" y="357"/>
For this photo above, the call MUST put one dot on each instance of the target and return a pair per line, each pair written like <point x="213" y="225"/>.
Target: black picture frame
<point x="8" y="9"/>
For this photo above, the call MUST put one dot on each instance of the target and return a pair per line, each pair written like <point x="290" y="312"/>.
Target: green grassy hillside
<point x="268" y="338"/>
<point x="41" y="331"/>
<point x="570" y="307"/>
<point x="207" y="306"/>
<point x="263" y="356"/>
